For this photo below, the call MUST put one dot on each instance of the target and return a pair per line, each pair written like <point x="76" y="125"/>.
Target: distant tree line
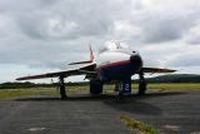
<point x="175" y="78"/>
<point x="17" y="85"/>
<point x="171" y="78"/>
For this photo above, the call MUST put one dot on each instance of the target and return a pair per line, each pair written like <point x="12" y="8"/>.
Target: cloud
<point x="193" y="35"/>
<point x="49" y="34"/>
<point x="186" y="60"/>
<point x="161" y="25"/>
<point x="73" y="19"/>
<point x="162" y="28"/>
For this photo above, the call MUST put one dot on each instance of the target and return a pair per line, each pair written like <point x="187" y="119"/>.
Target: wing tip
<point x="173" y="70"/>
<point x="170" y="70"/>
<point x="20" y="78"/>
<point x="158" y="70"/>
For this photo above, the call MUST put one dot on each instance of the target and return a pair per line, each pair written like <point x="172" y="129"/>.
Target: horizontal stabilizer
<point x="87" y="61"/>
<point x="80" y="62"/>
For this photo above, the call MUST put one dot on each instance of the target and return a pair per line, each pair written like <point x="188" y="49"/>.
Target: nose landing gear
<point x="123" y="88"/>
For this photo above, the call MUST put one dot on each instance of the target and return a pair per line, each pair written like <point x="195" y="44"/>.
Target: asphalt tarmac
<point x="169" y="111"/>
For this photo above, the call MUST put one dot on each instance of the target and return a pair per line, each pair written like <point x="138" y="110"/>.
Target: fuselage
<point x="117" y="62"/>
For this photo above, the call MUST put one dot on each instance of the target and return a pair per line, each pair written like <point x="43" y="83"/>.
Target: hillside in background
<point x="176" y="78"/>
<point x="170" y="78"/>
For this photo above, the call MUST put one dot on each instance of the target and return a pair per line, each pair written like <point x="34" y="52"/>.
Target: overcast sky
<point x="41" y="35"/>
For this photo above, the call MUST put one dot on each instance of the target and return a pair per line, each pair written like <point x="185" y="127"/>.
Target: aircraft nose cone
<point x="136" y="59"/>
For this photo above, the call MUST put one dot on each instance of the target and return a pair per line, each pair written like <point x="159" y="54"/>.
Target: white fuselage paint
<point x="110" y="57"/>
<point x="113" y="52"/>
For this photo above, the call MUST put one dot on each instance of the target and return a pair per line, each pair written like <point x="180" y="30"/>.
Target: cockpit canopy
<point x="114" y="46"/>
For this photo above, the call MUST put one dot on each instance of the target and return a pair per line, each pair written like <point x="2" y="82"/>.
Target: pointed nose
<point x="136" y="59"/>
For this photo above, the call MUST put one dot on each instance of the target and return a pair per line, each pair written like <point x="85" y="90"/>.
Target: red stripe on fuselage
<point x="114" y="64"/>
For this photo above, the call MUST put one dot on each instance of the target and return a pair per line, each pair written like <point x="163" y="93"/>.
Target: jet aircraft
<point x="114" y="62"/>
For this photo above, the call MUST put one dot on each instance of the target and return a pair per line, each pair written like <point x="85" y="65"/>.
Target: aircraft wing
<point x="88" y="69"/>
<point x="157" y="70"/>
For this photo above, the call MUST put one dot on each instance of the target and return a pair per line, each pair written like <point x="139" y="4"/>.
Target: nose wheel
<point x="142" y="84"/>
<point x="123" y="88"/>
<point x="119" y="91"/>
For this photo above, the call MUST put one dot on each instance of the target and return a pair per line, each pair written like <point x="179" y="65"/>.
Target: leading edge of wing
<point x="50" y="75"/>
<point x="64" y="73"/>
<point x="157" y="70"/>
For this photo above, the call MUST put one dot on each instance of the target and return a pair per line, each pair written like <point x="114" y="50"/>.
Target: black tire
<point x="96" y="87"/>
<point x="63" y="93"/>
<point x="142" y="88"/>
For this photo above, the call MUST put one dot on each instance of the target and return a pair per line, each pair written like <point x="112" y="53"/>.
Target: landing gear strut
<point x="119" y="90"/>
<point x="62" y="88"/>
<point x="142" y="84"/>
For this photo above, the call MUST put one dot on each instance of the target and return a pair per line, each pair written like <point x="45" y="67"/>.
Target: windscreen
<point x="112" y="46"/>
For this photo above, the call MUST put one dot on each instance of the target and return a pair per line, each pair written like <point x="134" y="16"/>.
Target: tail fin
<point x="88" y="61"/>
<point x="91" y="54"/>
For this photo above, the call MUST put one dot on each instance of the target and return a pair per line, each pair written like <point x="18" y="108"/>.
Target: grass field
<point x="167" y="86"/>
<point x="5" y="93"/>
<point x="185" y="86"/>
<point x="138" y="126"/>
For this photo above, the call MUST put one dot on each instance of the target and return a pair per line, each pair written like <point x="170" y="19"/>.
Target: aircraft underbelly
<point x="117" y="72"/>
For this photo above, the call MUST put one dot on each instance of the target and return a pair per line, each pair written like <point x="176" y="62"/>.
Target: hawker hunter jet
<point x="114" y="62"/>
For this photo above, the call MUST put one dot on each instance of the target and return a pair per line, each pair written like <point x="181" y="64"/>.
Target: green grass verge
<point x="7" y="93"/>
<point x="40" y="91"/>
<point x="140" y="126"/>
<point x="52" y="91"/>
<point x="169" y="86"/>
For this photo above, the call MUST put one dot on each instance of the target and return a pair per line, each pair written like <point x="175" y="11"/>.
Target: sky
<point x="38" y="36"/>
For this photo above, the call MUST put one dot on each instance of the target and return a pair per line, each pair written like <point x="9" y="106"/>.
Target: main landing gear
<point x="62" y="88"/>
<point x="96" y="87"/>
<point x="142" y="84"/>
